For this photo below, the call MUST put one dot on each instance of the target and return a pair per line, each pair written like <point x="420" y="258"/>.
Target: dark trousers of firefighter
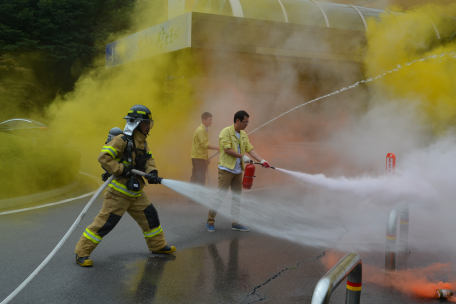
<point x="114" y="207"/>
<point x="199" y="169"/>
<point x="228" y="180"/>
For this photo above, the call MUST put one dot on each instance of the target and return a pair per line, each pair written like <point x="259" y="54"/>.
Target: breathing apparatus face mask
<point x="151" y="125"/>
<point x="145" y="126"/>
<point x="131" y="125"/>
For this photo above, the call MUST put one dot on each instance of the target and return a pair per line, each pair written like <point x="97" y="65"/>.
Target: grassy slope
<point x="26" y="168"/>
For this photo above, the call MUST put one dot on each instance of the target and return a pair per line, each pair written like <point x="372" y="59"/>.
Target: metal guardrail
<point x="401" y="212"/>
<point x="350" y="266"/>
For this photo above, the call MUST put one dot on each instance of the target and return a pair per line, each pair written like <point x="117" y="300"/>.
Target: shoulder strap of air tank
<point x="128" y="152"/>
<point x="138" y="150"/>
<point x="132" y="141"/>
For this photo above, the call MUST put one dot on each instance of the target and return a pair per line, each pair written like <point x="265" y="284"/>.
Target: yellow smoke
<point x="429" y="85"/>
<point x="103" y="96"/>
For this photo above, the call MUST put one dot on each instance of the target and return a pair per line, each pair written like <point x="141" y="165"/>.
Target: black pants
<point x="199" y="171"/>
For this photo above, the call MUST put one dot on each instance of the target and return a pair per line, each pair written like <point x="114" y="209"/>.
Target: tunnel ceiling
<point x="314" y="13"/>
<point x="242" y="25"/>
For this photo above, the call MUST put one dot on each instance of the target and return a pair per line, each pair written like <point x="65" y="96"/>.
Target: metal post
<point x="390" y="252"/>
<point x="354" y="282"/>
<point x="391" y="235"/>
<point x="403" y="236"/>
<point x="351" y="266"/>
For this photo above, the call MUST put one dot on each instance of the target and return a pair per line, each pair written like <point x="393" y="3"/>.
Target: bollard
<point x="351" y="266"/>
<point x="401" y="212"/>
<point x="403" y="236"/>
<point x="390" y="164"/>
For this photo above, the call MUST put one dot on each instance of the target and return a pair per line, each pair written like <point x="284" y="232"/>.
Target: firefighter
<point x="233" y="143"/>
<point x="200" y="147"/>
<point x="123" y="153"/>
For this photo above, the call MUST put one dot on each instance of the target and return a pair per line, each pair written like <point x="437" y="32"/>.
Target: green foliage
<point x="27" y="168"/>
<point x="57" y="38"/>
<point x="17" y="86"/>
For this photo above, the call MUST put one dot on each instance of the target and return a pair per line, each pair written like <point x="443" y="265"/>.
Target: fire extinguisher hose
<point x="59" y="245"/>
<point x="261" y="164"/>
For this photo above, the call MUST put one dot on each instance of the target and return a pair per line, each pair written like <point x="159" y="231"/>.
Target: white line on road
<point x="56" y="203"/>
<point x="47" y="205"/>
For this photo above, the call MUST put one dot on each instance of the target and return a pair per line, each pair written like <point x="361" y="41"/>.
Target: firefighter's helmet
<point x="135" y="116"/>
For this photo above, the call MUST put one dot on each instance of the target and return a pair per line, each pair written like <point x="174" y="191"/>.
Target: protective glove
<point x="152" y="177"/>
<point x="245" y="159"/>
<point x="265" y="164"/>
<point x="127" y="171"/>
<point x="105" y="176"/>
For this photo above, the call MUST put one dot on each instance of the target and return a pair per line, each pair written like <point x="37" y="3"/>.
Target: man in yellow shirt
<point x="199" y="150"/>
<point x="233" y="143"/>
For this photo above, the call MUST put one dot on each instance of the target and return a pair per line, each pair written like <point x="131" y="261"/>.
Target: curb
<point x="30" y="199"/>
<point x="96" y="180"/>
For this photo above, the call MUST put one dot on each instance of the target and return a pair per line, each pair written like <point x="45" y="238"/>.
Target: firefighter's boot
<point x="166" y="249"/>
<point x="84" y="261"/>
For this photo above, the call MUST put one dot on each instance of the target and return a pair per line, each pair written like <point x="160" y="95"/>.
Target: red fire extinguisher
<point x="249" y="174"/>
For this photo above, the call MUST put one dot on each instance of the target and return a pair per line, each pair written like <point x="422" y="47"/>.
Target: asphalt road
<point x="222" y="267"/>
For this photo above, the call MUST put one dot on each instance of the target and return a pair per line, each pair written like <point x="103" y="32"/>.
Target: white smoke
<point x="350" y="213"/>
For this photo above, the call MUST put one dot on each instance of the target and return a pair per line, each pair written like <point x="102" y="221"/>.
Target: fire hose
<point x="63" y="240"/>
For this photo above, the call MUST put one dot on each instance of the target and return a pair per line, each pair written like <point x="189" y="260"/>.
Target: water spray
<point x="341" y="184"/>
<point x="398" y="67"/>
<point x="441" y="56"/>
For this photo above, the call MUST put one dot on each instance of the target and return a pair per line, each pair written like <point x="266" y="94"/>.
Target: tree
<point x="17" y="87"/>
<point x="58" y="38"/>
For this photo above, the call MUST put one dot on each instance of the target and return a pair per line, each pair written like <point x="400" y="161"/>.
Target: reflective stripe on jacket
<point x="227" y="140"/>
<point x="109" y="158"/>
<point x="200" y="143"/>
<point x="111" y="150"/>
<point x="123" y="189"/>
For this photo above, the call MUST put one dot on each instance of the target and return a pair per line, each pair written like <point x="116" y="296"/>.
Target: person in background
<point x="200" y="147"/>
<point x="233" y="143"/>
